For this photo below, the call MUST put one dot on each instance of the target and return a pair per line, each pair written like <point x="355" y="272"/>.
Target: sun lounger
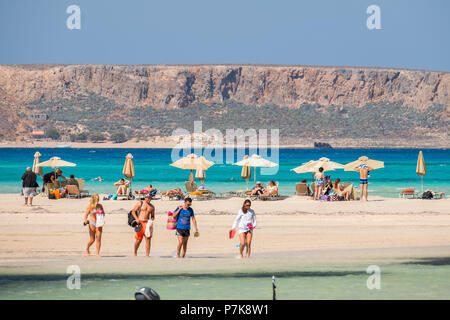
<point x="301" y="189"/>
<point x="202" y="195"/>
<point x="73" y="192"/>
<point x="439" y="195"/>
<point x="409" y="193"/>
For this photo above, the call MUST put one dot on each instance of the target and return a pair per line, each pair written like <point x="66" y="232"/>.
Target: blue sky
<point x="414" y="34"/>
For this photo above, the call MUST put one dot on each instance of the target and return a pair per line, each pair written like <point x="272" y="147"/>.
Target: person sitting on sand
<point x="257" y="189"/>
<point x="363" y="175"/>
<point x="96" y="221"/>
<point x="341" y="191"/>
<point x="272" y="189"/>
<point x="121" y="184"/>
<point x="246" y="222"/>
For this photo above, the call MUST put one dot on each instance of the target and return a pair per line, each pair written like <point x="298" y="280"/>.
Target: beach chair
<point x="202" y="195"/>
<point x="73" y="191"/>
<point x="172" y="196"/>
<point x="81" y="185"/>
<point x="409" y="193"/>
<point x="190" y="187"/>
<point x="301" y="189"/>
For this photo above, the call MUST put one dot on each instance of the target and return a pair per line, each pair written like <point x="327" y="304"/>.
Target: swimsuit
<point x="319" y="182"/>
<point x="363" y="181"/>
<point x="140" y="234"/>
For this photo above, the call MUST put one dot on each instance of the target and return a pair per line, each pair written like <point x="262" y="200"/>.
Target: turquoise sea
<point x="152" y="166"/>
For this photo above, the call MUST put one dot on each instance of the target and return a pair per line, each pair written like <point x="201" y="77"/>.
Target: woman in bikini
<point x="96" y="221"/>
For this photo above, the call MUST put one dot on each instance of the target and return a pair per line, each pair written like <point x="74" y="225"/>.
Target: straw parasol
<point x="314" y="165"/>
<point x="375" y="164"/>
<point x="255" y="161"/>
<point x="37" y="169"/>
<point x="246" y="172"/>
<point x="421" y="170"/>
<point x="193" y="162"/>
<point x="128" y="168"/>
<point x="56" y="162"/>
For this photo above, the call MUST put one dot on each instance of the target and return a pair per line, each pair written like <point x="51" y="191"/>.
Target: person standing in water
<point x="142" y="212"/>
<point x="246" y="222"/>
<point x="96" y="222"/>
<point x="183" y="214"/>
<point x="363" y="179"/>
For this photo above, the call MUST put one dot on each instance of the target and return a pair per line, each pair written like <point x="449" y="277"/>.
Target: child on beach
<point x="246" y="221"/>
<point x="96" y="222"/>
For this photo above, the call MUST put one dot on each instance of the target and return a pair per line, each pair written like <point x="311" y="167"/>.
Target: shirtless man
<point x="363" y="175"/>
<point x="146" y="211"/>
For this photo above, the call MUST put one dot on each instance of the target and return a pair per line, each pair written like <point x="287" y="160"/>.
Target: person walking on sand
<point x="246" y="222"/>
<point x="183" y="214"/>
<point x="319" y="180"/>
<point x="363" y="179"/>
<point x="96" y="221"/>
<point x="29" y="186"/>
<point x="144" y="214"/>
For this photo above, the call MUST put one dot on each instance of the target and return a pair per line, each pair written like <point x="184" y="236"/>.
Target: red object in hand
<point x="250" y="226"/>
<point x="232" y="233"/>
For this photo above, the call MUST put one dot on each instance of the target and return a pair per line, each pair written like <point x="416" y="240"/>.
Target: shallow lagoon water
<point x="419" y="279"/>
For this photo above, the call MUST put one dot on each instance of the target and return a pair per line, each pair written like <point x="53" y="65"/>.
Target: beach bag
<point x="100" y="218"/>
<point x="427" y="195"/>
<point x="171" y="222"/>
<point x="131" y="221"/>
<point x="324" y="197"/>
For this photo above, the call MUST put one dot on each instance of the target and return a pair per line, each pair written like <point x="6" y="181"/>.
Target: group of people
<point x="260" y="190"/>
<point x="324" y="186"/>
<point x="144" y="215"/>
<point x="30" y="185"/>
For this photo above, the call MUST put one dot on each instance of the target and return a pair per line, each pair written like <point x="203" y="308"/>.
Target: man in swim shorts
<point x="183" y="214"/>
<point x="142" y="212"/>
<point x="363" y="182"/>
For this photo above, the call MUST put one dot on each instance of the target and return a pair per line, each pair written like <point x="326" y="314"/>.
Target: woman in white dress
<point x="246" y="222"/>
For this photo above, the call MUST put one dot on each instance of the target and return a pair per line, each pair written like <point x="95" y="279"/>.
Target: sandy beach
<point x="49" y="236"/>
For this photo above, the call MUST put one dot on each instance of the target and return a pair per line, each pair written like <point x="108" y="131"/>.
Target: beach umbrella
<point x="375" y="164"/>
<point x="246" y="172"/>
<point x="421" y="170"/>
<point x="36" y="168"/>
<point x="56" y="162"/>
<point x="128" y="168"/>
<point x="192" y="162"/>
<point x="314" y="165"/>
<point x="255" y="161"/>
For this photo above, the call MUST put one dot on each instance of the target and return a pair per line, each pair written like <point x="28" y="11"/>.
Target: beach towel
<point x="149" y="229"/>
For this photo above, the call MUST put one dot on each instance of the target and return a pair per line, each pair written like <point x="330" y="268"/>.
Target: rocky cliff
<point x="179" y="87"/>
